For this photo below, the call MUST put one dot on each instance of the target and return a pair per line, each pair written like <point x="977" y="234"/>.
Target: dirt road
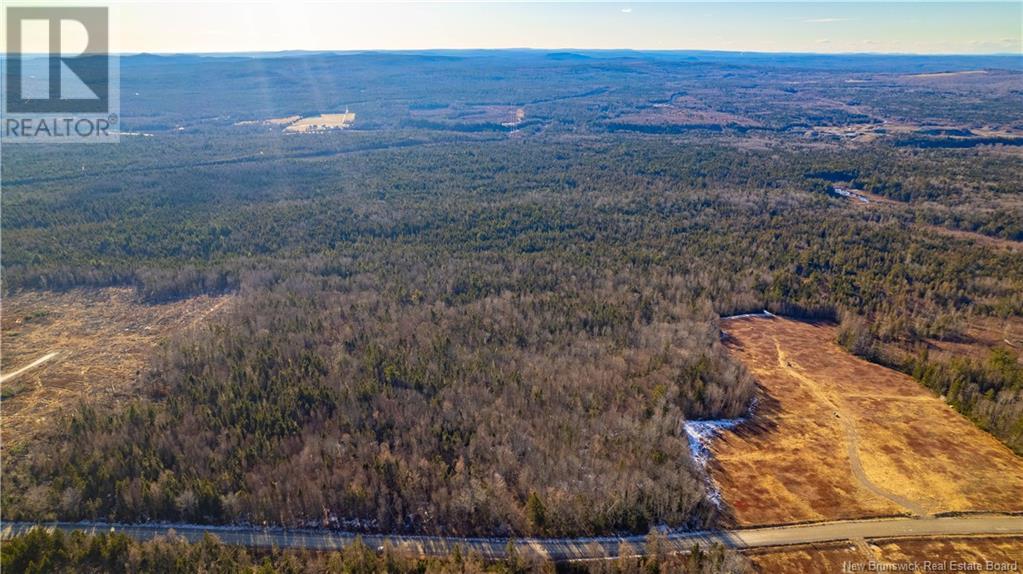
<point x="836" y="437"/>
<point x="35" y="363"/>
<point x="852" y="439"/>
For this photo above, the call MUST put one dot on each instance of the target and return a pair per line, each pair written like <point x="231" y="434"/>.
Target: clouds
<point x="626" y="10"/>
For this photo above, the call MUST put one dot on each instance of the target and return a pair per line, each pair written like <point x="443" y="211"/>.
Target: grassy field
<point x="839" y="557"/>
<point x="98" y="339"/>
<point x="838" y="437"/>
<point x="322" y="122"/>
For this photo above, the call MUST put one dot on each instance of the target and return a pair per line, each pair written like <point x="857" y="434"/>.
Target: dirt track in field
<point x="852" y="439"/>
<point x="837" y="437"/>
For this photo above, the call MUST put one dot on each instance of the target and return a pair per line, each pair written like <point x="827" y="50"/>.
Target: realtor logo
<point x="61" y="80"/>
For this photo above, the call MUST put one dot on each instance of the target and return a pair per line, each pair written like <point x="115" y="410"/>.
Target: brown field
<point x="298" y="124"/>
<point x="837" y="437"/>
<point x="96" y="341"/>
<point x="825" y="558"/>
<point x="321" y="123"/>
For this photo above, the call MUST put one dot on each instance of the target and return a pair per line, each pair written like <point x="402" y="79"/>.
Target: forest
<point x="444" y="328"/>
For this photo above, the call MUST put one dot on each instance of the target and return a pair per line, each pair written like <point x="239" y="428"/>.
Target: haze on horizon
<point x="820" y="27"/>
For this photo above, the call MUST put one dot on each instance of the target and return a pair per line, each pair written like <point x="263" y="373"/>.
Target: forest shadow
<point x="755" y="430"/>
<point x="763" y="418"/>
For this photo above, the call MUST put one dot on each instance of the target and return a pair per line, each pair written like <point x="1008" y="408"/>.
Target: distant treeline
<point x="956" y="142"/>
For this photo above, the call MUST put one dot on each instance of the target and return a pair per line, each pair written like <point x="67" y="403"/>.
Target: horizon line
<point x="356" y="51"/>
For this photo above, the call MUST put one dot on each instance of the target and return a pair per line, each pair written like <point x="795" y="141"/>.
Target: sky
<point x="949" y="27"/>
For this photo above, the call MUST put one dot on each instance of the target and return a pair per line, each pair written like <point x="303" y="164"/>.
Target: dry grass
<point x="298" y="124"/>
<point x="832" y="557"/>
<point x="980" y="336"/>
<point x="321" y="123"/>
<point x="283" y="121"/>
<point x="817" y="558"/>
<point x="101" y="339"/>
<point x="822" y="410"/>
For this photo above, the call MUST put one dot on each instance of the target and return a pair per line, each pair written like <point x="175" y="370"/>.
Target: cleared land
<point x="298" y="124"/>
<point x="980" y="335"/>
<point x="322" y="122"/>
<point x="94" y="342"/>
<point x="842" y="556"/>
<point x="837" y="437"/>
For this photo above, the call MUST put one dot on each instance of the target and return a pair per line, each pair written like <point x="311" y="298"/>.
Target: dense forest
<point x="441" y="327"/>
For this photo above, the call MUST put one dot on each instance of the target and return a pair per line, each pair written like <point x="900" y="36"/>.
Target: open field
<point x="832" y="557"/>
<point x="299" y="124"/>
<point x="94" y="343"/>
<point x="321" y="122"/>
<point x="838" y="437"/>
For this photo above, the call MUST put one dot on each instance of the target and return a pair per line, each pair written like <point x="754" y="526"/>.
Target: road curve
<point x="564" y="549"/>
<point x="852" y="437"/>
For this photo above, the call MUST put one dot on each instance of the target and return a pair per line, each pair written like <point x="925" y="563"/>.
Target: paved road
<point x="34" y="363"/>
<point x="569" y="548"/>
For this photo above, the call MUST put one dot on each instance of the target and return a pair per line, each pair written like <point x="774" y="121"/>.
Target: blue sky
<point x="905" y="27"/>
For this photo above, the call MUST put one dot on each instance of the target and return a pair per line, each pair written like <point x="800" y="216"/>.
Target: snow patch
<point x="850" y="193"/>
<point x="764" y="313"/>
<point x="700" y="434"/>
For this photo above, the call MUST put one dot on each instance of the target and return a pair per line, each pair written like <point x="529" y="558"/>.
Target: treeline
<point x="41" y="551"/>
<point x="988" y="392"/>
